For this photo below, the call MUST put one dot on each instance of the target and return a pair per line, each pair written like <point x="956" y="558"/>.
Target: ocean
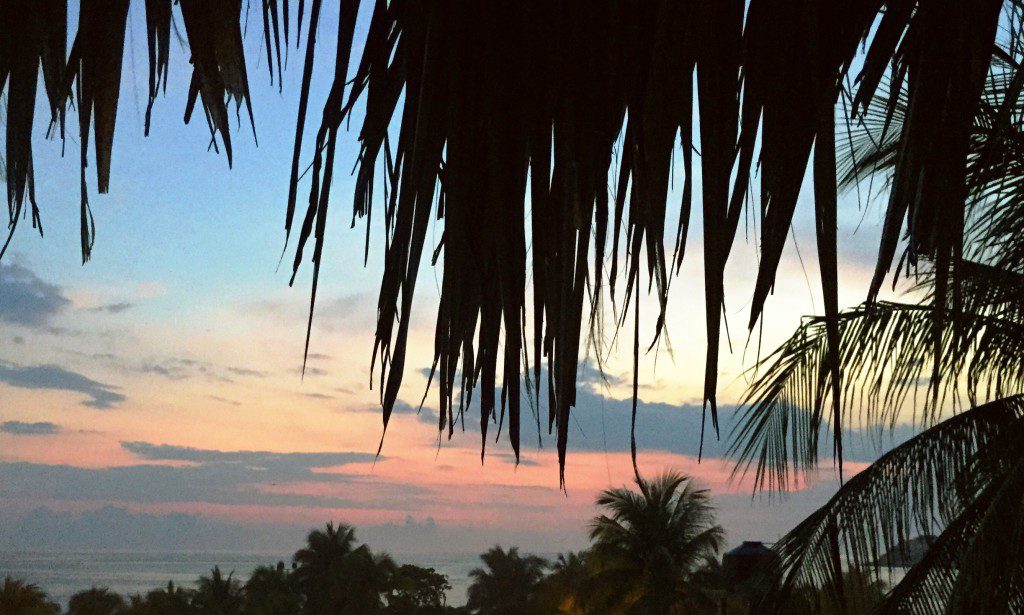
<point x="61" y="575"/>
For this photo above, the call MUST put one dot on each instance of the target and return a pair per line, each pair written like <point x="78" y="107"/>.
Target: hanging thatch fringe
<point x="496" y="101"/>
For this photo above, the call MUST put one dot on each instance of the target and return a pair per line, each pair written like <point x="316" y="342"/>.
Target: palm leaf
<point x="917" y="487"/>
<point x="885" y="358"/>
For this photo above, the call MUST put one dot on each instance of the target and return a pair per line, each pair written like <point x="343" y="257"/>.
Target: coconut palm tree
<point x="507" y="584"/>
<point x="961" y="334"/>
<point x="172" y="600"/>
<point x="20" y="598"/>
<point x="649" y="543"/>
<point x="602" y="90"/>
<point x="217" y="594"/>
<point x="319" y="565"/>
<point x="97" y="601"/>
<point x="336" y="576"/>
<point x="564" y="586"/>
<point x="863" y="592"/>
<point x="369" y="577"/>
<point x="271" y="590"/>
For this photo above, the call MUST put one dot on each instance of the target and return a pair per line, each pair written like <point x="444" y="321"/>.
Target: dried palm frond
<point x="497" y="103"/>
<point x="37" y="40"/>
<point x="158" y="40"/>
<point x="584" y="72"/>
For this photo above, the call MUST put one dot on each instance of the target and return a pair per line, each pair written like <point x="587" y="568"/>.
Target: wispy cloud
<point x="247" y="372"/>
<point x="225" y="400"/>
<point x="315" y="395"/>
<point x="165" y="452"/>
<point x="27" y="300"/>
<point x="53" y="377"/>
<point x="179" y="368"/>
<point x="19" y="428"/>
<point x="167" y="370"/>
<point x="113" y="308"/>
<point x="603" y="423"/>
<point x="245" y="478"/>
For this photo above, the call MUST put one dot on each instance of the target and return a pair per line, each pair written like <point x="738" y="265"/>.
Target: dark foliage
<point x="958" y="342"/>
<point x="25" y="599"/>
<point x="648" y="546"/>
<point x="508" y="584"/>
<point x="97" y="601"/>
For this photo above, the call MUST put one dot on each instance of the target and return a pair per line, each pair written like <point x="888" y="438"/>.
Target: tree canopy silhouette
<point x="508" y="583"/>
<point x="648" y="544"/>
<point x="97" y="601"/>
<point x="20" y="597"/>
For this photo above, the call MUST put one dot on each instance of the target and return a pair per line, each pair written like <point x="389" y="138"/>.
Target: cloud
<point x="115" y="528"/>
<point x="588" y="374"/>
<point x="603" y="423"/>
<point x="180" y="368"/>
<point x="19" y="428"/>
<point x="53" y="377"/>
<point x="225" y="400"/>
<point x="244" y="371"/>
<point x="112" y="528"/>
<point x="166" y="452"/>
<point x="113" y="308"/>
<point x="318" y="396"/>
<point x="232" y="478"/>
<point x="345" y="308"/>
<point x="400" y="407"/>
<point x="169" y="370"/>
<point x="27" y="300"/>
<point x="331" y="314"/>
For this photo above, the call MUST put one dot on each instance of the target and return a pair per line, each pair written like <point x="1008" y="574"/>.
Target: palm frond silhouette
<point x="961" y="344"/>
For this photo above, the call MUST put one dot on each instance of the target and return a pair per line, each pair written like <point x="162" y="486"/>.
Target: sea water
<point x="61" y="575"/>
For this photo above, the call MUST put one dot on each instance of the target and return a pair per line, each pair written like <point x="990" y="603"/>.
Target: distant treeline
<point x="653" y="550"/>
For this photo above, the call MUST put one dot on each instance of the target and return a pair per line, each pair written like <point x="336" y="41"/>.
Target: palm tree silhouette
<point x="336" y="576"/>
<point x="271" y="590"/>
<point x="369" y="577"/>
<point x="320" y="563"/>
<point x="960" y="340"/>
<point x="647" y="545"/>
<point x="217" y="594"/>
<point x="507" y="584"/>
<point x="171" y="600"/>
<point x="20" y="598"/>
<point x="97" y="601"/>
<point x="863" y="592"/>
<point x="565" y="585"/>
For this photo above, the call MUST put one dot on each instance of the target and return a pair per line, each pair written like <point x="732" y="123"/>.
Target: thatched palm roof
<point x="509" y="113"/>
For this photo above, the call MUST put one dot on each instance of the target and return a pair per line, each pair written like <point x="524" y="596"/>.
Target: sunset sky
<point x="162" y="379"/>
